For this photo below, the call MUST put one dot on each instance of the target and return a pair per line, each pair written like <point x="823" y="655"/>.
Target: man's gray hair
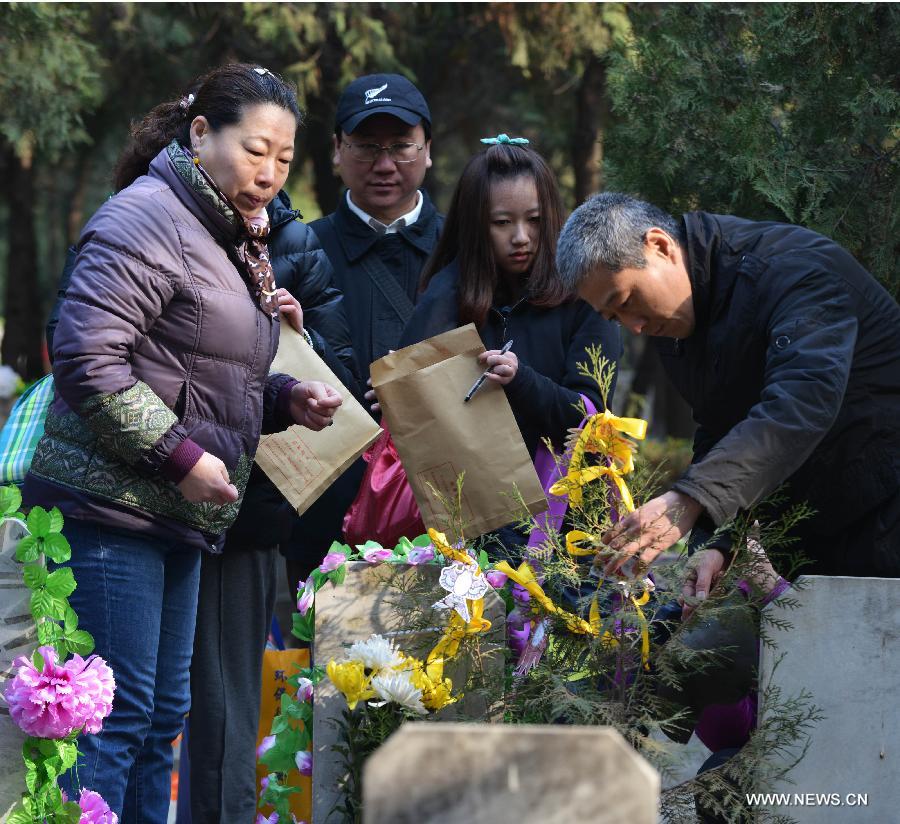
<point x="608" y="231"/>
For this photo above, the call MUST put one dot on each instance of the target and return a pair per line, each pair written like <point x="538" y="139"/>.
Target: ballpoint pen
<point x="483" y="377"/>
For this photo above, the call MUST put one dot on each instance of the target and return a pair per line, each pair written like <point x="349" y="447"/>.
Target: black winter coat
<point x="793" y="374"/>
<point x="375" y="324"/>
<point x="549" y="343"/>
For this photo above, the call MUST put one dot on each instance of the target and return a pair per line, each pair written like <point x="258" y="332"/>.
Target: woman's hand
<point x="208" y="482"/>
<point x="290" y="308"/>
<point x="314" y="403"/>
<point x="503" y="366"/>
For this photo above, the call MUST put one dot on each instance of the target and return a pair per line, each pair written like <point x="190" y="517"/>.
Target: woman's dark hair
<point x="220" y="96"/>
<point x="466" y="233"/>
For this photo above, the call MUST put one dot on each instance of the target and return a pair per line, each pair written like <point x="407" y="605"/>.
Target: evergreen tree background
<point x="780" y="111"/>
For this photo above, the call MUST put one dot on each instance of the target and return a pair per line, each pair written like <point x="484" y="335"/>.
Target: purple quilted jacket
<point x="160" y="352"/>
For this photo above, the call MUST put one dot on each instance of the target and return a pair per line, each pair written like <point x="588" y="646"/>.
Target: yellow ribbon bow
<point x="442" y="545"/>
<point x="603" y="435"/>
<point x="524" y="576"/>
<point x="608" y="639"/>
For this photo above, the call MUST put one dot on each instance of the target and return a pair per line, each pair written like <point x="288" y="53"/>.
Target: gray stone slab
<point x="844" y="647"/>
<point x="492" y="773"/>
<point x="18" y="636"/>
<point x="388" y="599"/>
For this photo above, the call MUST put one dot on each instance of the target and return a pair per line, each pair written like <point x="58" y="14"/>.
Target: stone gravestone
<point x="491" y="773"/>
<point x="18" y="636"/>
<point x="844" y="648"/>
<point x="388" y="599"/>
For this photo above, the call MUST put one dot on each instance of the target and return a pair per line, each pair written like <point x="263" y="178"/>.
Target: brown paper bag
<point x="303" y="463"/>
<point x="421" y="390"/>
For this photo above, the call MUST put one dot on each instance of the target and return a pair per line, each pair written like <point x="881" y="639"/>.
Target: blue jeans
<point x="137" y="595"/>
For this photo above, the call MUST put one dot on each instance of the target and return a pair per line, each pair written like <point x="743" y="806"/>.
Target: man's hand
<point x="313" y="404"/>
<point x="290" y="308"/>
<point x="372" y="398"/>
<point x="649" y="530"/>
<point x="208" y="482"/>
<point x="703" y="572"/>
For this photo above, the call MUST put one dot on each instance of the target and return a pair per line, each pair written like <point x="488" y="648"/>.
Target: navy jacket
<point x="549" y="343"/>
<point x="375" y="324"/>
<point x="793" y="373"/>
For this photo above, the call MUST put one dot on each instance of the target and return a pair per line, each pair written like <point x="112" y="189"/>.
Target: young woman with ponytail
<point x="161" y="363"/>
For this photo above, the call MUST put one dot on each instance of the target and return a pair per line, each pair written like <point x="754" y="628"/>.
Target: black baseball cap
<point x="380" y="94"/>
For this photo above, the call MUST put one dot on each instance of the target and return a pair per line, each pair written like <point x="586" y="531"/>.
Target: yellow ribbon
<point x="573" y="537"/>
<point x="440" y="542"/>
<point x="602" y="434"/>
<point x="610" y="640"/>
<point x="524" y="576"/>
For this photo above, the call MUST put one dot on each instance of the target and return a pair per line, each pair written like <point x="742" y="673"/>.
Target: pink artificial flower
<point x="518" y="630"/>
<point x="304" y="689"/>
<point x="332" y="561"/>
<point x="375" y="555"/>
<point x="496" y="578"/>
<point x="307" y="597"/>
<point x="265" y="745"/>
<point x="94" y="810"/>
<point x="272" y="819"/>
<point x="58" y="700"/>
<point x="304" y="762"/>
<point x="263" y="784"/>
<point x="420" y="555"/>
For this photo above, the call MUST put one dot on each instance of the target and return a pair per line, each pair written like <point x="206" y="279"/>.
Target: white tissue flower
<point x="376" y="653"/>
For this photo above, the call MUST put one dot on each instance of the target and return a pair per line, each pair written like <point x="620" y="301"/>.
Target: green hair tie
<point x="506" y="140"/>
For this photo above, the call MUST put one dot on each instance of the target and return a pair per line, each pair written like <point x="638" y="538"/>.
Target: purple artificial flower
<point x="420" y="555"/>
<point x="518" y="630"/>
<point x="304" y="689"/>
<point x="272" y="819"/>
<point x="304" y="762"/>
<point x="332" y="561"/>
<point x="94" y="810"/>
<point x="263" y="784"/>
<point x="265" y="745"/>
<point x="58" y="700"/>
<point x="375" y="555"/>
<point x="520" y="594"/>
<point x="307" y="597"/>
<point x="496" y="578"/>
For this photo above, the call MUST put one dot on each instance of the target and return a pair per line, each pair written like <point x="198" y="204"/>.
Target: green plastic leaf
<point x="61" y="583"/>
<point x="31" y="779"/>
<point x="421" y="541"/>
<point x="67" y="754"/>
<point x="52" y="768"/>
<point x="48" y="632"/>
<point x="338" y="575"/>
<point x="57" y="547"/>
<point x="369" y="545"/>
<point x="38" y="522"/>
<point x="47" y="746"/>
<point x="301" y="627"/>
<point x="280" y="724"/>
<point x="38" y="660"/>
<point x="344" y="549"/>
<point x="403" y="547"/>
<point x="20" y="816"/>
<point x="80" y="642"/>
<point x="41" y="604"/>
<point x="10" y="500"/>
<point x="319" y="578"/>
<point x="71" y="620"/>
<point x="28" y="549"/>
<point x="483" y="560"/>
<point x="56" y="520"/>
<point x="70" y="813"/>
<point x="35" y="576"/>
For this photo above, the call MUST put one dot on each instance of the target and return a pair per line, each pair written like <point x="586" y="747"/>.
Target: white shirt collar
<point x="404" y="220"/>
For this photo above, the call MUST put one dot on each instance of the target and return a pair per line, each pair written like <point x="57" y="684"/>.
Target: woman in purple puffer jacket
<point x="161" y="364"/>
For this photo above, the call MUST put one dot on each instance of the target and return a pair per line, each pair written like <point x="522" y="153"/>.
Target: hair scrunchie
<point x="506" y="140"/>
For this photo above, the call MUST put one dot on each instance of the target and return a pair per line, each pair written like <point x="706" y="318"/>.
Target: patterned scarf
<point x="250" y="247"/>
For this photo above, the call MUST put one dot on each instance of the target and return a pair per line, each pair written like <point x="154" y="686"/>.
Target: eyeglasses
<point x="398" y="152"/>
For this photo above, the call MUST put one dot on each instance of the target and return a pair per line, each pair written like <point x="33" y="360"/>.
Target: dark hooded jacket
<point x="160" y="347"/>
<point x="793" y="373"/>
<point x="549" y="342"/>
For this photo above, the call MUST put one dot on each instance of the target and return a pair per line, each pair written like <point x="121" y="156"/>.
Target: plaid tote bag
<point x="23" y="430"/>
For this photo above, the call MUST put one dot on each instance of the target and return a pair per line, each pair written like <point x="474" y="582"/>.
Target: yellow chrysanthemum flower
<point x="350" y="678"/>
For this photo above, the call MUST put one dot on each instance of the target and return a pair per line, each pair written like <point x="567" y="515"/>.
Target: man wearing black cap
<point x="385" y="227"/>
<point x="378" y="240"/>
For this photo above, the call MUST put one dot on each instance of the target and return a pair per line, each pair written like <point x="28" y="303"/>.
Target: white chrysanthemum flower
<point x="398" y="687"/>
<point x="376" y="653"/>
